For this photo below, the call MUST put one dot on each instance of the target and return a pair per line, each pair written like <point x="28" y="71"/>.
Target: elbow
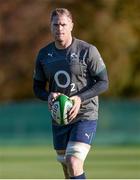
<point x="39" y="90"/>
<point x="106" y="85"/>
<point x="35" y="91"/>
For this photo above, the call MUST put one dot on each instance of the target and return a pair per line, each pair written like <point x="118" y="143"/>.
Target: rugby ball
<point x="60" y="109"/>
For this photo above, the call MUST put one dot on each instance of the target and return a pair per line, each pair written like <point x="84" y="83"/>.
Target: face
<point x="61" y="27"/>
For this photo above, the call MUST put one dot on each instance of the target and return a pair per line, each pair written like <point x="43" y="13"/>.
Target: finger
<point x="50" y="105"/>
<point x="72" y="113"/>
<point x="72" y="110"/>
<point x="72" y="117"/>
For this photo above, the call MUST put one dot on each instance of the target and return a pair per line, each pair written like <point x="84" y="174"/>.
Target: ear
<point x="72" y="24"/>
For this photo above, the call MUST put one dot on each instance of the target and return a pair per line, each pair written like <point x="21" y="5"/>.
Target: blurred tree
<point x="113" y="26"/>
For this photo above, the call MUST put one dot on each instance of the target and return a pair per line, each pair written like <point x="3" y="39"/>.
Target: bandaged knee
<point x="61" y="158"/>
<point x="77" y="149"/>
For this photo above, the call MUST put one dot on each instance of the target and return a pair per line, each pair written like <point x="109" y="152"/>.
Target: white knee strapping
<point x="77" y="149"/>
<point x="61" y="158"/>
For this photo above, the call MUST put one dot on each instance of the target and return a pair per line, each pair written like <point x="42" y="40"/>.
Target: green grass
<point x="39" y="162"/>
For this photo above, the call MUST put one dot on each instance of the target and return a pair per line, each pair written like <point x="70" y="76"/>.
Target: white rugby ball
<point x="60" y="109"/>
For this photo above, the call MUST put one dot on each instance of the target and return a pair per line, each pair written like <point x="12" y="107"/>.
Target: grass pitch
<point x="38" y="162"/>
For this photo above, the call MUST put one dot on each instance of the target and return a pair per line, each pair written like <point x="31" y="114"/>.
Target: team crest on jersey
<point x="73" y="56"/>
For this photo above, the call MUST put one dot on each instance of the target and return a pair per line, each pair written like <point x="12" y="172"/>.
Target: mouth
<point x="60" y="34"/>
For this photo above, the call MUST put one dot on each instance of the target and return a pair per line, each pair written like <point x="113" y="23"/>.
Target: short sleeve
<point x="95" y="61"/>
<point x="38" y="70"/>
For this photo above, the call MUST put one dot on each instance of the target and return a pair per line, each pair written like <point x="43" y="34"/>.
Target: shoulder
<point x="89" y="49"/>
<point x="46" y="48"/>
<point x="44" y="51"/>
<point x="83" y="44"/>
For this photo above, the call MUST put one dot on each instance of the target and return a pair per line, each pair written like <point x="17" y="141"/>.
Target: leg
<point x="65" y="170"/>
<point x="60" y="141"/>
<point x="61" y="159"/>
<point x="75" y="139"/>
<point x="76" y="153"/>
<point x="81" y="137"/>
<point x="75" y="166"/>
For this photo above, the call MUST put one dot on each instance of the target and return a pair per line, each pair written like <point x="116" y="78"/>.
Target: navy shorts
<point x="80" y="131"/>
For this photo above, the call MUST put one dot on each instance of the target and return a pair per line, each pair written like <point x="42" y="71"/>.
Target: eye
<point x="55" y="25"/>
<point x="63" y="25"/>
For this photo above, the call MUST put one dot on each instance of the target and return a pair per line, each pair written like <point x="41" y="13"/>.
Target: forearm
<point x="99" y="87"/>
<point x="39" y="90"/>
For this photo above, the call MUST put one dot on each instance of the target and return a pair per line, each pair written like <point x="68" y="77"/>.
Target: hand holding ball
<point x="60" y="109"/>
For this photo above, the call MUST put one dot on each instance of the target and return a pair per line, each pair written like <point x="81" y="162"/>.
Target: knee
<point x="61" y="158"/>
<point x="76" y="153"/>
<point x="71" y="161"/>
<point x="74" y="164"/>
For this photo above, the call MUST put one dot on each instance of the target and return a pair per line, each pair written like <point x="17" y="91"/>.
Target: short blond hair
<point x="60" y="12"/>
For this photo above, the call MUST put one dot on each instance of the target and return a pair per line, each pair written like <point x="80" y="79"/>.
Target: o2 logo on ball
<point x="55" y="108"/>
<point x="54" y="111"/>
<point x="67" y="83"/>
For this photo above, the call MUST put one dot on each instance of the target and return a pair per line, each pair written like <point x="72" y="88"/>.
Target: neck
<point x="63" y="44"/>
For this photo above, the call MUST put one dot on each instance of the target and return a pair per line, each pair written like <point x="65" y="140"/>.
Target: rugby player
<point x="75" y="68"/>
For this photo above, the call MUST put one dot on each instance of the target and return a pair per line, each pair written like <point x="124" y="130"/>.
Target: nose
<point x="60" y="27"/>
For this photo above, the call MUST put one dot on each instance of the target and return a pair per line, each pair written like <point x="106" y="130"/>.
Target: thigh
<point x="60" y="136"/>
<point x="84" y="131"/>
<point x="79" y="150"/>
